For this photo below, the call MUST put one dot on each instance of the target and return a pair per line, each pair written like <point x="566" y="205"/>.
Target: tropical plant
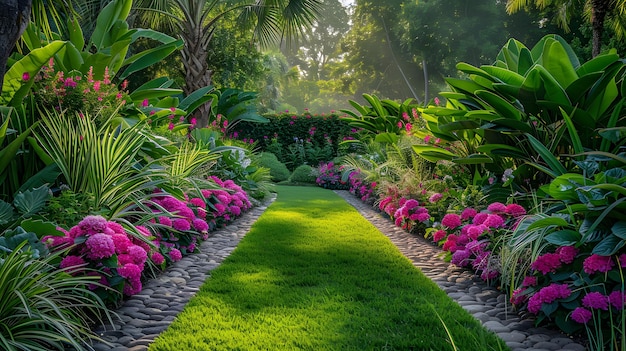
<point x="44" y="307"/>
<point x="530" y="108"/>
<point x="102" y="161"/>
<point x="384" y="120"/>
<point x="597" y="11"/>
<point x="196" y="21"/>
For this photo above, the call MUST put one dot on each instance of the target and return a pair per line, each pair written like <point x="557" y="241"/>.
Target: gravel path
<point x="144" y="316"/>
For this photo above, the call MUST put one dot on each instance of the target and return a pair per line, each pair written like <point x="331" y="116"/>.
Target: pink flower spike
<point x="26" y="76"/>
<point x="170" y="126"/>
<point x="144" y="103"/>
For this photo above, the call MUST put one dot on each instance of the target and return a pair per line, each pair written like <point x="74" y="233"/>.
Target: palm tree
<point x="598" y="12"/>
<point x="196" y="20"/>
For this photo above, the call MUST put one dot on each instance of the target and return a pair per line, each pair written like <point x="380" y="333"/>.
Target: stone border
<point x="142" y="317"/>
<point x="485" y="303"/>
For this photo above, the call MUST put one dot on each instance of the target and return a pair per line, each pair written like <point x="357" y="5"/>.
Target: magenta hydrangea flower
<point x="617" y="299"/>
<point x="221" y="209"/>
<point x="529" y="281"/>
<point x="461" y="258"/>
<point x="166" y="221"/>
<point x="439" y="235"/>
<point x="546" y="263"/>
<point x="175" y="255"/>
<point x="493" y="221"/>
<point x="123" y="259"/>
<point x="411" y="204"/>
<point x="121" y="242"/>
<point x="468" y="213"/>
<point x="567" y="253"/>
<point x="451" y="220"/>
<point x="423" y="217"/>
<point x="235" y="210"/>
<point x="157" y="258"/>
<point x="496" y="207"/>
<point x="479" y="218"/>
<point x="581" y="315"/>
<point x="181" y="224"/>
<point x="515" y="210"/>
<point x="93" y="224"/>
<point x="198" y="202"/>
<point x="518" y="297"/>
<point x="596" y="300"/>
<point x="116" y="227"/>
<point x="100" y="246"/>
<point x="596" y="263"/>
<point x="622" y="260"/>
<point x="450" y="245"/>
<point x="200" y="225"/>
<point x="475" y="231"/>
<point x="534" y="303"/>
<point x="71" y="261"/>
<point x="435" y="197"/>
<point x="138" y="254"/>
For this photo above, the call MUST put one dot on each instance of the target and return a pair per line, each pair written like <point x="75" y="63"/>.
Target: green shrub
<point x="303" y="174"/>
<point x="278" y="170"/>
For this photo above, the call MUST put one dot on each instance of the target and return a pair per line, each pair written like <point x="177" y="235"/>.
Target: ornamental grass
<point x="312" y="274"/>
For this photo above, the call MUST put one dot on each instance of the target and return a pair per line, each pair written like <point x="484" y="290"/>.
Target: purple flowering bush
<point x="362" y="188"/>
<point x="97" y="247"/>
<point x="471" y="238"/>
<point x="330" y="176"/>
<point x="575" y="289"/>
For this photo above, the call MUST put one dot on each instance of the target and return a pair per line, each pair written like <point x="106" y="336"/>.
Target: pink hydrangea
<point x="93" y="224"/>
<point x="138" y="255"/>
<point x="479" y="218"/>
<point x="546" y="263"/>
<point x="567" y="253"/>
<point x="166" y="221"/>
<point x="596" y="263"/>
<point x="493" y="221"/>
<point x="451" y="220"/>
<point x="617" y="299"/>
<point x="581" y="315"/>
<point x="121" y="242"/>
<point x="529" y="281"/>
<point x="461" y="258"/>
<point x="440" y="234"/>
<point x="116" y="227"/>
<point x="181" y="224"/>
<point x="514" y="210"/>
<point x="468" y="213"/>
<point x="196" y="201"/>
<point x="71" y="261"/>
<point x="534" y="303"/>
<point x="235" y="210"/>
<point x="157" y="258"/>
<point x="475" y="231"/>
<point x="596" y="300"/>
<point x="175" y="255"/>
<point x="200" y="225"/>
<point x="450" y="245"/>
<point x="518" y="297"/>
<point x="435" y="197"/>
<point x="100" y="246"/>
<point x="221" y="209"/>
<point x="496" y="207"/>
<point x="130" y="271"/>
<point x="423" y="217"/>
<point x="548" y="295"/>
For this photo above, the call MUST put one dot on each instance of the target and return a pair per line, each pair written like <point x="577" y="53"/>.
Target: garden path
<point x="143" y="316"/>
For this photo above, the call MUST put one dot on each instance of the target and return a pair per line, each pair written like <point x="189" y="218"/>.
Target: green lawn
<point x="312" y="274"/>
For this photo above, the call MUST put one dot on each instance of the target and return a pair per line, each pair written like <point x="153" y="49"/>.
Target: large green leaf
<point x="432" y="153"/>
<point x="565" y="187"/>
<point x="8" y="153"/>
<point x="473" y="159"/>
<point x="597" y="65"/>
<point x="504" y="75"/>
<point x="565" y="237"/>
<point x="32" y="201"/>
<point x="197" y="98"/>
<point x="463" y="85"/>
<point x="113" y="12"/>
<point x="548" y="157"/>
<point x="608" y="246"/>
<point x="40" y="227"/>
<point x="6" y="212"/>
<point x="619" y="229"/>
<point x="502" y="107"/>
<point x="139" y="95"/>
<point x="554" y="91"/>
<point x="469" y="69"/>
<point x="14" y="87"/>
<point x="548" y="222"/>
<point x="557" y="62"/>
<point x="502" y="150"/>
<point x="149" y="57"/>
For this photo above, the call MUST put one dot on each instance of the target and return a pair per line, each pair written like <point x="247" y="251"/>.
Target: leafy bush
<point x="278" y="170"/>
<point x="45" y="308"/>
<point x="303" y="174"/>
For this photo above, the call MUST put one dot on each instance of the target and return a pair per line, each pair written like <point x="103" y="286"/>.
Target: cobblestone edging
<point x="142" y="317"/>
<point x="485" y="303"/>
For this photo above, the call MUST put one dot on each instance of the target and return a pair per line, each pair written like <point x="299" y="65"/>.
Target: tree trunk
<point x="14" y="17"/>
<point x="599" y="9"/>
<point x="197" y="73"/>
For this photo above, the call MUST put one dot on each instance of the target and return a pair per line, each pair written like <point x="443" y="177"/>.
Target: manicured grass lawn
<point x="312" y="274"/>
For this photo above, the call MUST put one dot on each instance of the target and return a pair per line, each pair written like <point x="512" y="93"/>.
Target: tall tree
<point x="14" y="17"/>
<point x="597" y="11"/>
<point x="196" y="21"/>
